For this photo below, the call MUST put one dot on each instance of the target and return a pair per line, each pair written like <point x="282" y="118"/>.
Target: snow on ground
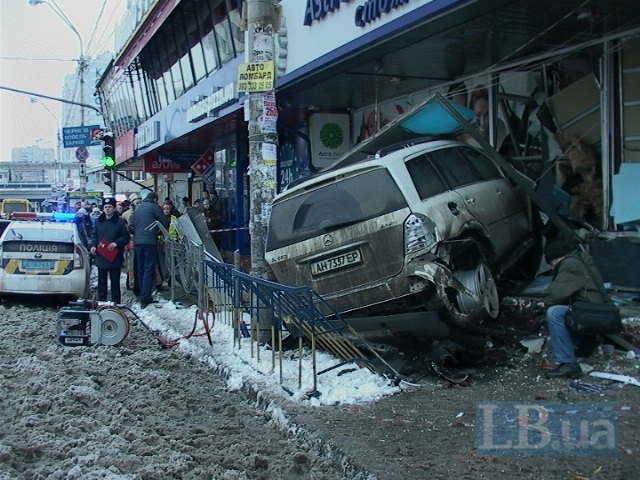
<point x="245" y="362"/>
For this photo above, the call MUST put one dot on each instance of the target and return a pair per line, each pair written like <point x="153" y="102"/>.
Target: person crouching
<point x="575" y="277"/>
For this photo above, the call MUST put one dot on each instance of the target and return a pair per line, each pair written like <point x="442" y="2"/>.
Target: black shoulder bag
<point x="591" y="318"/>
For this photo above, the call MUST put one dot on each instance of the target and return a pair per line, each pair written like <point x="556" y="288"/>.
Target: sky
<point x="346" y="385"/>
<point x="37" y="50"/>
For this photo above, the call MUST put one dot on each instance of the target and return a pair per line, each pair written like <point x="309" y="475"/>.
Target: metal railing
<point x="266" y="313"/>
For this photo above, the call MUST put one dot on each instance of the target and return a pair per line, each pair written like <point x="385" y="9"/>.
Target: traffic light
<point x="109" y="153"/>
<point x="109" y="161"/>
<point x="108" y="180"/>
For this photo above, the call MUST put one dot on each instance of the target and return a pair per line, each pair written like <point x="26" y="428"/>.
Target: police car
<point x="42" y="254"/>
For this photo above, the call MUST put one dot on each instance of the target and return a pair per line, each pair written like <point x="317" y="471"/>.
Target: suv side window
<point x="455" y="168"/>
<point x="425" y="177"/>
<point x="484" y="165"/>
<point x="462" y="166"/>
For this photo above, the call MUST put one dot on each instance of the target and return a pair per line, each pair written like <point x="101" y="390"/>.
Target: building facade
<point x="171" y="100"/>
<point x="555" y="86"/>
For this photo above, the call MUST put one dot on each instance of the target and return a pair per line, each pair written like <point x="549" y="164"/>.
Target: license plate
<point x="37" y="265"/>
<point x="74" y="340"/>
<point x="330" y="264"/>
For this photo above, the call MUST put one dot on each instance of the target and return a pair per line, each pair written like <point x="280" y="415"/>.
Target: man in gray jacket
<point x="145" y="241"/>
<point x="575" y="277"/>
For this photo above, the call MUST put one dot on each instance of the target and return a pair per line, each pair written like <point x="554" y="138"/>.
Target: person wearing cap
<point x="145" y="240"/>
<point x="110" y="231"/>
<point x="134" y="201"/>
<point x="575" y="278"/>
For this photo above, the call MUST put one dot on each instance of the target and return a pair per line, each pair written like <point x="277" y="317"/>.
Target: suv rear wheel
<point x="484" y="293"/>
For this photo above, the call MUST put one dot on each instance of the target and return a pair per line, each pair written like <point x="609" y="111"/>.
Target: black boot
<point x="565" y="370"/>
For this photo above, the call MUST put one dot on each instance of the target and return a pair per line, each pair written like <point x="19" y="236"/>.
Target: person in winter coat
<point x="110" y="233"/>
<point x="145" y="241"/>
<point x="163" y="262"/>
<point x="575" y="278"/>
<point x="85" y="226"/>
<point x="132" y="282"/>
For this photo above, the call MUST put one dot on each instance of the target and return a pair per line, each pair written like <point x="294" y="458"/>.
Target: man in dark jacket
<point x="575" y="277"/>
<point x="108" y="240"/>
<point x="145" y="241"/>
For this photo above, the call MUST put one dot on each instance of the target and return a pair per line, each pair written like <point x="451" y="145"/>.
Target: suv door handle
<point x="470" y="200"/>
<point x="453" y="206"/>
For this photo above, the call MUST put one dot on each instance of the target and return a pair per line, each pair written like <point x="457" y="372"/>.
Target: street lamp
<point x="81" y="62"/>
<point x="56" y="167"/>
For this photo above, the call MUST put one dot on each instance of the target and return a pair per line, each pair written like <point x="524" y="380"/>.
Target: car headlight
<point x="420" y="233"/>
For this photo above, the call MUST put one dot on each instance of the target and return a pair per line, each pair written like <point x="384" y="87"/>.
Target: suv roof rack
<point x="410" y="143"/>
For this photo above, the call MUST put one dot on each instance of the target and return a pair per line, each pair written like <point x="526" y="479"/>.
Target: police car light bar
<point x="41" y="216"/>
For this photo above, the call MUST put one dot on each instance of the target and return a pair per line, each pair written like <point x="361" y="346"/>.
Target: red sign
<point x="155" y="163"/>
<point x="124" y="147"/>
<point x="201" y="165"/>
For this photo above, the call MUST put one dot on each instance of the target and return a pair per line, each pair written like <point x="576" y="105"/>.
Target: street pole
<point x="56" y="172"/>
<point x="61" y="100"/>
<point x="262" y="141"/>
<point x="81" y="68"/>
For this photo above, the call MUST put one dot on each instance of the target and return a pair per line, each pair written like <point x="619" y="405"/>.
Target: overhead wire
<point x="103" y="39"/>
<point x="95" y="26"/>
<point x="40" y="59"/>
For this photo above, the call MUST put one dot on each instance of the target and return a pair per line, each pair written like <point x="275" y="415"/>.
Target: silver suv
<point x="387" y="234"/>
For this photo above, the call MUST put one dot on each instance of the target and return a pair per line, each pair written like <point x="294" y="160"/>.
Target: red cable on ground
<point x="200" y="314"/>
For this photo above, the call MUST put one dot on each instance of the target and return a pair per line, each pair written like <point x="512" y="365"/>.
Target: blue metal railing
<point x="276" y="312"/>
<point x="275" y="308"/>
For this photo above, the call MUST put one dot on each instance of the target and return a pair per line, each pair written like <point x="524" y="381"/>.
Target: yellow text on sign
<point x="256" y="77"/>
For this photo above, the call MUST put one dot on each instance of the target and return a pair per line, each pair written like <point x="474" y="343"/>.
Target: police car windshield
<point x="40" y="234"/>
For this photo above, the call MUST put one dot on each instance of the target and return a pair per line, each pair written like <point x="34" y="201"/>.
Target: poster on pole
<point x="256" y="77"/>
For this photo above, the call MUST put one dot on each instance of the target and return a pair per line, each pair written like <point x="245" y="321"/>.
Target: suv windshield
<point x="335" y="204"/>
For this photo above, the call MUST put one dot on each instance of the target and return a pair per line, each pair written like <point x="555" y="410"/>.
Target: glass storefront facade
<point x="196" y="40"/>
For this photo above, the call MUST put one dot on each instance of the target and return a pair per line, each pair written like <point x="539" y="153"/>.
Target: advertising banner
<point x="83" y="136"/>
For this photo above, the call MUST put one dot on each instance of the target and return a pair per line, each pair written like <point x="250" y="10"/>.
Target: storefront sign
<point x="209" y="174"/>
<point x="372" y="10"/>
<point x="366" y="13"/>
<point x="256" y="77"/>
<point x="148" y="134"/>
<point x="157" y="163"/>
<point x="209" y="105"/>
<point x="330" y="138"/>
<point x="201" y="165"/>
